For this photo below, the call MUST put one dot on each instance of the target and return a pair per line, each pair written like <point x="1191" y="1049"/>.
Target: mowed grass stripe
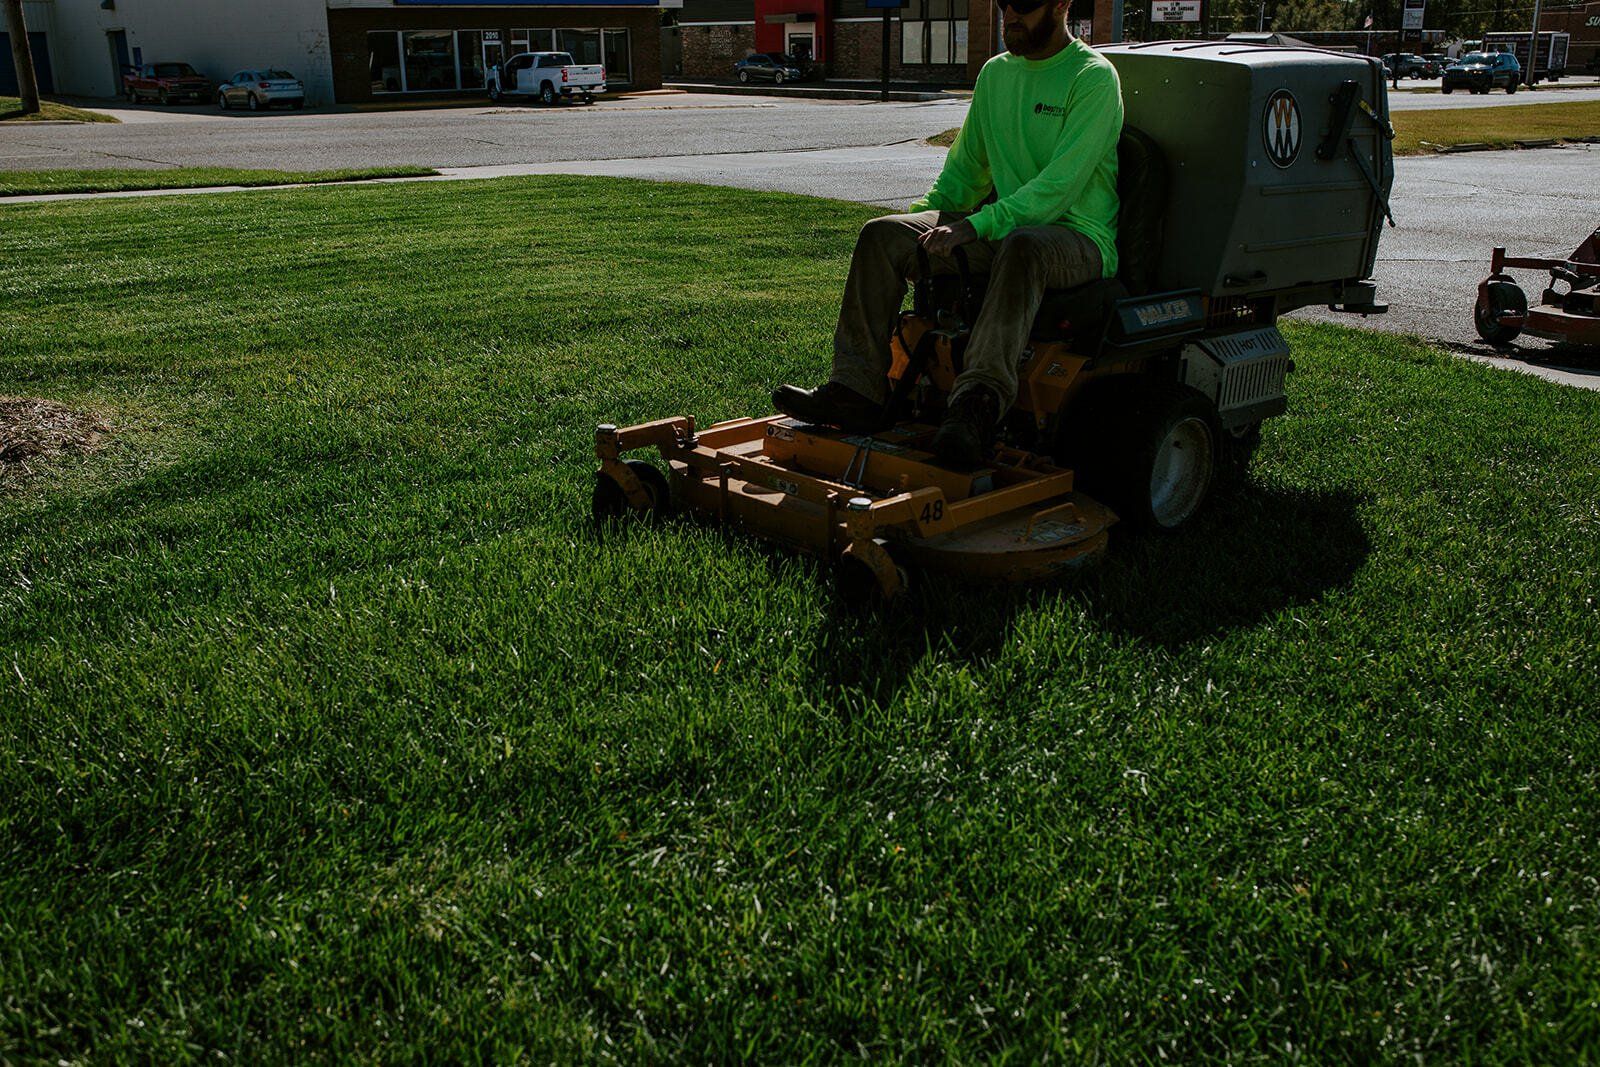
<point x="327" y="728"/>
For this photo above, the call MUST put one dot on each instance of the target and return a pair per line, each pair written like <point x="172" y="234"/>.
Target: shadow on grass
<point x="1252" y="554"/>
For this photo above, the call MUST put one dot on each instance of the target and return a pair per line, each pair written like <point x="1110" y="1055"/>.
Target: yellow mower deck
<point x="869" y="500"/>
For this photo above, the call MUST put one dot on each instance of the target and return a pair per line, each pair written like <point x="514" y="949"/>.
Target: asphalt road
<point x="682" y="124"/>
<point x="672" y="123"/>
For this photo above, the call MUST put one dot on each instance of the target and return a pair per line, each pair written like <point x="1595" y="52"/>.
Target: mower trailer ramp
<point x="869" y="502"/>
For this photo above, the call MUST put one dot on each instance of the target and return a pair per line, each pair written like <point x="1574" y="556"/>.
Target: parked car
<point x="1479" y="72"/>
<point x="760" y="66"/>
<point x="1436" y="64"/>
<point x="550" y="76"/>
<point x="256" y="89"/>
<point x="790" y="61"/>
<point x="1410" y="64"/>
<point x="168" y="83"/>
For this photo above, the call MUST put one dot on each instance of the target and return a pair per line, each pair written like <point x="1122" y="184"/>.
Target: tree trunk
<point x="22" y="57"/>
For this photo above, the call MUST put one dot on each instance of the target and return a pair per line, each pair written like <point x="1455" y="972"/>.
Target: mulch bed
<point x="31" y="429"/>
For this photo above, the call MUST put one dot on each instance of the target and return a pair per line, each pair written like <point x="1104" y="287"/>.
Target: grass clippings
<point x="43" y="182"/>
<point x="49" y="111"/>
<point x="333" y="732"/>
<point x="33" y="429"/>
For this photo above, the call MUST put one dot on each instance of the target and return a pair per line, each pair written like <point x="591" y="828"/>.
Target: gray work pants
<point x="1020" y="267"/>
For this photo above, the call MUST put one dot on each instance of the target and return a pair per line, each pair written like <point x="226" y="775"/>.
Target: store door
<point x="798" y="41"/>
<point x="493" y="53"/>
<point x="120" y="59"/>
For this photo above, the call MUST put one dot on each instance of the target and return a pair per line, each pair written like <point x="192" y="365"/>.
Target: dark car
<point x="763" y="67"/>
<point x="1436" y="64"/>
<point x="1479" y="72"/>
<point x="168" y="83"/>
<point x="1411" y="65"/>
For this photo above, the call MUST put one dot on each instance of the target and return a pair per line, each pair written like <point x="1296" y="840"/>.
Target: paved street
<point x="687" y="124"/>
<point x="1452" y="209"/>
<point x="673" y="123"/>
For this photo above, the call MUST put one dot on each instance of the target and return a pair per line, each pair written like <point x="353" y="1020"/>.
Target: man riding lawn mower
<point x="1092" y="336"/>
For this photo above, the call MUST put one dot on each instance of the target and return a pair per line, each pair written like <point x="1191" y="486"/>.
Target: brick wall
<point x="710" y="51"/>
<point x="858" y="53"/>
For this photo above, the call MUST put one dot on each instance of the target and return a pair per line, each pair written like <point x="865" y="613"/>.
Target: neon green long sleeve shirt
<point x="1043" y="135"/>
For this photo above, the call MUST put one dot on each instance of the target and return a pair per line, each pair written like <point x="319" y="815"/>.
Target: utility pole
<point x="22" y="57"/>
<point x="1533" y="45"/>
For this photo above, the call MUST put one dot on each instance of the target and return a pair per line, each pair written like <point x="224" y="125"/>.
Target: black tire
<point x="222" y="100"/>
<point x="1150" y="452"/>
<point x="255" y="102"/>
<point x="495" y="95"/>
<point x="547" y="94"/>
<point x="744" y="77"/>
<point x="777" y="79"/>
<point x="610" y="503"/>
<point x="1447" y="90"/>
<point x="1502" y="296"/>
<point x="164" y="98"/>
<point x="1511" y="87"/>
<point x="858" y="588"/>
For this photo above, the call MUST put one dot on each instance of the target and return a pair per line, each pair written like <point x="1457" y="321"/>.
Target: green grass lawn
<point x="1417" y="132"/>
<point x="34" y="182"/>
<point x="329" y="730"/>
<point x="11" y="111"/>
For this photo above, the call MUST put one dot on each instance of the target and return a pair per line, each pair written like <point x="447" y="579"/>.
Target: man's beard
<point x="1022" y="40"/>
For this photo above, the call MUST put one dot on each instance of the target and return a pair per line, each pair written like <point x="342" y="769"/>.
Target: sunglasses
<point x="1021" y="7"/>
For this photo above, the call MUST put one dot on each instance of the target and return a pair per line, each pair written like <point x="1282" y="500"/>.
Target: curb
<point x="821" y="92"/>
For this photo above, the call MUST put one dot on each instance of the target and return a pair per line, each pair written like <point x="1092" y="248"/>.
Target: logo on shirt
<point x="1280" y="128"/>
<point x="1055" y="111"/>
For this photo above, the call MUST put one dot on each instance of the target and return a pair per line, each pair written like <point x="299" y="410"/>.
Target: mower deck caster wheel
<point x="1499" y="298"/>
<point x="861" y="588"/>
<point x="610" y="502"/>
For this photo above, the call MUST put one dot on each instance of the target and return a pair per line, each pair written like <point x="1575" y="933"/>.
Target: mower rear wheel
<point x="610" y="502"/>
<point x="1151" y="453"/>
<point x="1500" y="297"/>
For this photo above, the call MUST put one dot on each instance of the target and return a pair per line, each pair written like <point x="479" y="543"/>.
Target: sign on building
<point x="1412" y="19"/>
<point x="1175" y="10"/>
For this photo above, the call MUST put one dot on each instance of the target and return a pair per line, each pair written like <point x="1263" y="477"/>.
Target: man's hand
<point x="942" y="240"/>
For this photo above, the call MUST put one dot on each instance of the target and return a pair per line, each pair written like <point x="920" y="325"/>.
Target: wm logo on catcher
<point x="1280" y="128"/>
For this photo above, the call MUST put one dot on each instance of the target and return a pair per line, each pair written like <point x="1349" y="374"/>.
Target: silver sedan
<point x="256" y="89"/>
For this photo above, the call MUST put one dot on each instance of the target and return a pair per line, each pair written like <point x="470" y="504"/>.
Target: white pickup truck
<point x="550" y="76"/>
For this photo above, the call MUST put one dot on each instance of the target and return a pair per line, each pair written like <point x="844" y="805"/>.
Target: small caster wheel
<point x="1501" y="297"/>
<point x="861" y="588"/>
<point x="610" y="502"/>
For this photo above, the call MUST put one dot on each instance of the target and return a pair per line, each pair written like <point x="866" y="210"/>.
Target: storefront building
<point x="407" y="47"/>
<point x="932" y="42"/>
<point x="346" y="51"/>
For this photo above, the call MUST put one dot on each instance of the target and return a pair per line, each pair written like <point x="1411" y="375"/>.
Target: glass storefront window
<point x="430" y="58"/>
<point x="469" y="46"/>
<point x="383" y="59"/>
<point x="617" y="55"/>
<point x="535" y="40"/>
<point x="582" y="45"/>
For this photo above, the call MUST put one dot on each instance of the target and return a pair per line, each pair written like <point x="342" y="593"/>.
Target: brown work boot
<point x="967" y="431"/>
<point x="831" y="404"/>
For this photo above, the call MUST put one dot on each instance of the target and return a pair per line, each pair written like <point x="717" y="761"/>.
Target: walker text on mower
<point x="1253" y="181"/>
